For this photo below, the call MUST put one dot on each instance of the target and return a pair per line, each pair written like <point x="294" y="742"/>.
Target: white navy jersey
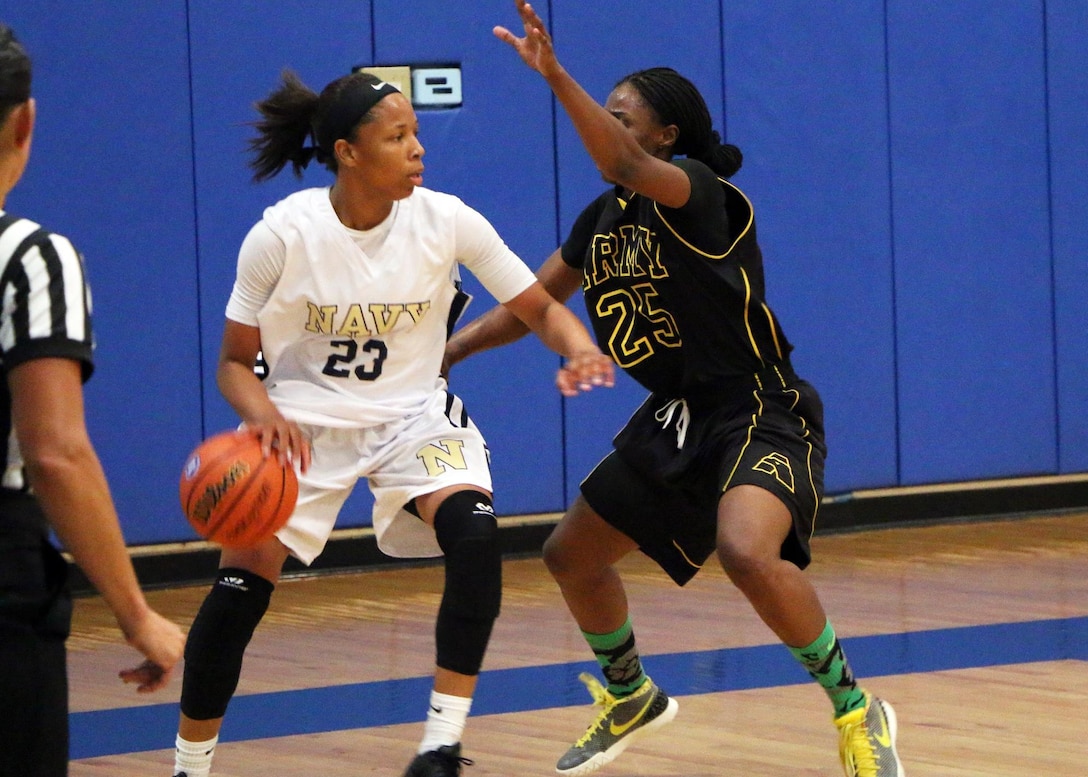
<point x="354" y="323"/>
<point x="45" y="312"/>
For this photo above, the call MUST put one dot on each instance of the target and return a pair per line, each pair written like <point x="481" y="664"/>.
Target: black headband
<point x="352" y="103"/>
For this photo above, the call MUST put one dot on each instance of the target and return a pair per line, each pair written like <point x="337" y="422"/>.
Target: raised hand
<point x="535" y="48"/>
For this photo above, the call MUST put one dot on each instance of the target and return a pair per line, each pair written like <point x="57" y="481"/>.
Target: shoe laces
<point x="858" y="756"/>
<point x="460" y="760"/>
<point x="601" y="698"/>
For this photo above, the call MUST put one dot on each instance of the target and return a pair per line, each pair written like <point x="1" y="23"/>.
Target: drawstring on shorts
<point x="665" y="415"/>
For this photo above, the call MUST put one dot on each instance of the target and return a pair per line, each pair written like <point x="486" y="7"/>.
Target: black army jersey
<point x="676" y="296"/>
<point x="45" y="311"/>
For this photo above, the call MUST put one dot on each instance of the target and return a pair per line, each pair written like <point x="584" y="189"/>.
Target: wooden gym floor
<point x="977" y="632"/>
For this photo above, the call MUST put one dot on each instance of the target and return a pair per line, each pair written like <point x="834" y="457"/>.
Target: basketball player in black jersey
<point x="726" y="454"/>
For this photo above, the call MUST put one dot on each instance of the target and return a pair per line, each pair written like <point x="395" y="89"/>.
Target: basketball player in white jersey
<point x="349" y="293"/>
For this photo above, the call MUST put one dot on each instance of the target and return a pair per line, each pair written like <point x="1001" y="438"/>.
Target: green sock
<point x="618" y="657"/>
<point x="826" y="662"/>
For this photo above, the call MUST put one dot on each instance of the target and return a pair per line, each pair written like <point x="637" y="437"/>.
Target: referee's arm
<point x="68" y="481"/>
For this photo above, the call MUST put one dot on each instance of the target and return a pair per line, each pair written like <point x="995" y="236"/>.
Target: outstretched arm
<point x="499" y="326"/>
<point x="560" y="330"/>
<point x="615" y="151"/>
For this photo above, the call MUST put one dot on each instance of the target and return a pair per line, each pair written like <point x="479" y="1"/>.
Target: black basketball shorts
<point x="675" y="458"/>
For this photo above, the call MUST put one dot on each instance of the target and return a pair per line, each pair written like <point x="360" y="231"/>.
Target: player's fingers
<point x="300" y="449"/>
<point x="277" y="441"/>
<point x="532" y="19"/>
<point x="566" y="383"/>
<point x="598" y="370"/>
<point x="540" y="35"/>
<point x="293" y="444"/>
<point x="307" y="456"/>
<point x="592" y="370"/>
<point x="269" y="435"/>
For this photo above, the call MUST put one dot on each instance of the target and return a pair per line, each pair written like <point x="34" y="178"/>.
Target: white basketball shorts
<point x="401" y="460"/>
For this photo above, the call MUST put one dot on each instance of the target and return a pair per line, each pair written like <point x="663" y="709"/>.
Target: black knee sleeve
<point x="467" y="532"/>
<point x="218" y="639"/>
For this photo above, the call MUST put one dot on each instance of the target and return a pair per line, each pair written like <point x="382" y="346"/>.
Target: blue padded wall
<point x="972" y="253"/>
<point x="495" y="152"/>
<point x="1067" y="90"/>
<point x="920" y="206"/>
<point x="239" y="51"/>
<point x="806" y="102"/>
<point x="111" y="168"/>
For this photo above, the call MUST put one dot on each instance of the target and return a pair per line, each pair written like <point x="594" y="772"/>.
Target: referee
<point x="50" y="475"/>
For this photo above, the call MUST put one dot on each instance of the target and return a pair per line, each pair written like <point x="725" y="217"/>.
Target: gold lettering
<point x="385" y="316"/>
<point x="635" y="253"/>
<point x="378" y="318"/>
<point x="354" y="324"/>
<point x="436" y="457"/>
<point x="603" y="256"/>
<point x="417" y="310"/>
<point x="320" y="319"/>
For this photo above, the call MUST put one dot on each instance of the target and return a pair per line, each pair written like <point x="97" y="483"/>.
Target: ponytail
<point x="293" y="113"/>
<point x="285" y="123"/>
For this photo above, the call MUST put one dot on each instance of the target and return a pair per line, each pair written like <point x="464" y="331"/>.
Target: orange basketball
<point x="233" y="495"/>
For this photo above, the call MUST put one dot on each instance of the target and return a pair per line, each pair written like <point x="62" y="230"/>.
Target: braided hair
<point x="677" y="101"/>
<point x="14" y="73"/>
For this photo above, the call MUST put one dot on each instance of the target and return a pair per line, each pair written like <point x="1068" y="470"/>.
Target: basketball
<point x="234" y="496"/>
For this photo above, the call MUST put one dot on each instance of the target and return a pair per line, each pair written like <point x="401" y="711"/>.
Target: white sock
<point x="445" y="721"/>
<point x="194" y="758"/>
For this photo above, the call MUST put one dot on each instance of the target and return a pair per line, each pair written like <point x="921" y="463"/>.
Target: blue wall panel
<point x="1067" y="66"/>
<point x="112" y="169"/>
<point x="496" y="153"/>
<point x="920" y="206"/>
<point x="806" y="103"/>
<point x="683" y="36"/>
<point x="973" y="288"/>
<point x="239" y="51"/>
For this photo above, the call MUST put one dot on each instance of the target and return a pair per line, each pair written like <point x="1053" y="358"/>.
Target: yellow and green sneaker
<point x="867" y="740"/>
<point x="619" y="723"/>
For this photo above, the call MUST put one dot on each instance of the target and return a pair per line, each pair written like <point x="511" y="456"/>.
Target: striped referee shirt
<point x="45" y="311"/>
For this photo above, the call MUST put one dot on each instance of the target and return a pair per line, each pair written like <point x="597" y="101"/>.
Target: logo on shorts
<point x="441" y="455"/>
<point x="777" y="466"/>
